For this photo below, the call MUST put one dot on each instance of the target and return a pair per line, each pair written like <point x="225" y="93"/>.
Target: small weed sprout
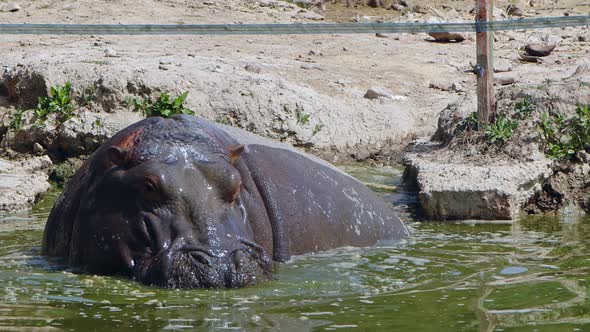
<point x="87" y="95"/>
<point x="317" y="129"/>
<point x="470" y="123"/>
<point x="302" y="118"/>
<point x="16" y="119"/>
<point x="59" y="101"/>
<point x="223" y="119"/>
<point x="525" y="107"/>
<point x="501" y="130"/>
<point x="97" y="124"/>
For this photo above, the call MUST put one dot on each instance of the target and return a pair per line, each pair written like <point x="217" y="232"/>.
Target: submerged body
<point x="184" y="203"/>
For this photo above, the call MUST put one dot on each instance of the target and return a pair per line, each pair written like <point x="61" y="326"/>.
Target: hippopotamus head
<point x="161" y="202"/>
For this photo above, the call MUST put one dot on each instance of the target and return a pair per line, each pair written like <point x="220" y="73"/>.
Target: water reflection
<point x="526" y="276"/>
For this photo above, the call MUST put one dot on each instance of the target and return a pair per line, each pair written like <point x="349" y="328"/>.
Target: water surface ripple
<point x="528" y="276"/>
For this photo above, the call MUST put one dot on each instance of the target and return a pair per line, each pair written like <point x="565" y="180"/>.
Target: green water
<point x="528" y="276"/>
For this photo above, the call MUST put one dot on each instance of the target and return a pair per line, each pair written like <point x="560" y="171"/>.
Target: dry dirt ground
<point x="263" y="83"/>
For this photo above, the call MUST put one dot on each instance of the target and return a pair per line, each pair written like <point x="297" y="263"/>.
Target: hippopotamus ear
<point x="117" y="156"/>
<point x="235" y="152"/>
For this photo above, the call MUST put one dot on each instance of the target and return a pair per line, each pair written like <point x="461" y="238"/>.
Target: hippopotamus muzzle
<point x="190" y="266"/>
<point x="183" y="203"/>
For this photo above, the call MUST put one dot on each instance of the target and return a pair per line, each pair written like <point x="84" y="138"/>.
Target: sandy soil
<point x="338" y="66"/>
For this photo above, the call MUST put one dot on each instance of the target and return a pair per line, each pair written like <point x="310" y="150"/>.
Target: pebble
<point x="445" y="37"/>
<point x="381" y="35"/>
<point x="377" y="92"/>
<point x="397" y="7"/>
<point x="162" y="67"/>
<point x="38" y="148"/>
<point x="10" y="7"/>
<point x="504" y="79"/>
<point x="440" y="85"/>
<point x="253" y="68"/>
<point x="583" y="156"/>
<point x="110" y="53"/>
<point x="310" y="67"/>
<point x="514" y="11"/>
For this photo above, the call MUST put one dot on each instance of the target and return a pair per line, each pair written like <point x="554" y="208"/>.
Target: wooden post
<point x="484" y="68"/>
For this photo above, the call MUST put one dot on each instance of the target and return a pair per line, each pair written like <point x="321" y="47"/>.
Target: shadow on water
<point x="528" y="276"/>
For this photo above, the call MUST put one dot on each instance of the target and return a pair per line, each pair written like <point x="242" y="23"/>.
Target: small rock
<point x="162" y="67"/>
<point x="38" y="148"/>
<point x="376" y="92"/>
<point x="583" y="156"/>
<point x="397" y="8"/>
<point x="110" y="53"/>
<point x="445" y="37"/>
<point x="457" y="87"/>
<point x="375" y="3"/>
<point x="253" y="68"/>
<point x="312" y="16"/>
<point x="584" y="37"/>
<point x="419" y="9"/>
<point x="514" y="11"/>
<point x="310" y="67"/>
<point x="165" y="62"/>
<point x="313" y="52"/>
<point x="529" y="58"/>
<point x="381" y="35"/>
<point x="440" y="85"/>
<point x="504" y="79"/>
<point x="10" y="7"/>
<point x="539" y="50"/>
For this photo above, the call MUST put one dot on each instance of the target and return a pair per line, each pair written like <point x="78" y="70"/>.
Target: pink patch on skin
<point x="126" y="143"/>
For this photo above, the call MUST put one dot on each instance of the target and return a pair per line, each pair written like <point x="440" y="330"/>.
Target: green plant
<point x="302" y="118"/>
<point x="16" y="119"/>
<point x="164" y="106"/>
<point x="525" y="107"/>
<point x="87" y="95"/>
<point x="97" y="124"/>
<point x="223" y="119"/>
<point x="563" y="136"/>
<point x="501" y="130"/>
<point x="59" y="101"/>
<point x="317" y="129"/>
<point x="469" y="123"/>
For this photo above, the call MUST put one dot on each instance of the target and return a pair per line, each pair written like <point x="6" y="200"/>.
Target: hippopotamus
<point x="185" y="203"/>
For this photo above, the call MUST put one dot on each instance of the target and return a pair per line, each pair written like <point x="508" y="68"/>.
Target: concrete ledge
<point x="21" y="182"/>
<point x="456" y="190"/>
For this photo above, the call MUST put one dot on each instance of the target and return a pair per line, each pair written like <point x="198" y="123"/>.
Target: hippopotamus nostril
<point x="240" y="259"/>
<point x="200" y="257"/>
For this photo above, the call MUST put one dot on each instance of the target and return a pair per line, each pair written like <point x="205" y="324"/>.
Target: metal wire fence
<point x="300" y="28"/>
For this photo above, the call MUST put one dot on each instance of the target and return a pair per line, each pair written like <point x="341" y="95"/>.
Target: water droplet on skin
<point x="514" y="270"/>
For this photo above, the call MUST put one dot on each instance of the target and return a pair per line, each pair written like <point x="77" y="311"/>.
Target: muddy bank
<point x="533" y="158"/>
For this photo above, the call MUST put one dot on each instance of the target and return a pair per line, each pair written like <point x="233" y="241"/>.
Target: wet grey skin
<point x="183" y="203"/>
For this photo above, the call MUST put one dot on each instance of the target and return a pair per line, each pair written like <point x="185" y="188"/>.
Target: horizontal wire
<point x="292" y="28"/>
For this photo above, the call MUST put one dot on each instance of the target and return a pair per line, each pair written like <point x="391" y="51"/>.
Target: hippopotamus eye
<point x="149" y="187"/>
